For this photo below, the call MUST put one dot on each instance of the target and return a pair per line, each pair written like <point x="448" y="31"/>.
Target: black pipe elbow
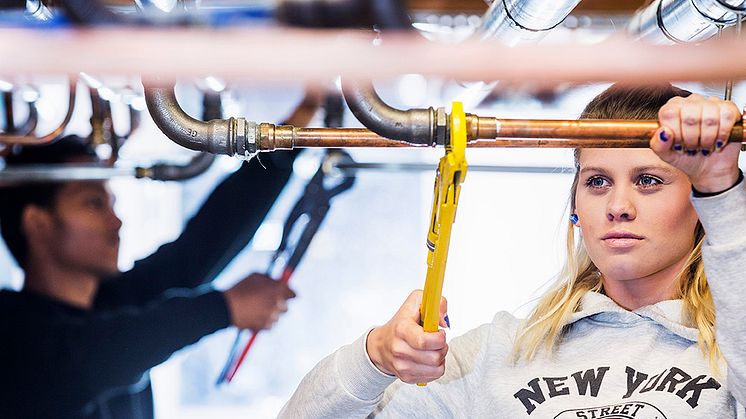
<point x="416" y="126"/>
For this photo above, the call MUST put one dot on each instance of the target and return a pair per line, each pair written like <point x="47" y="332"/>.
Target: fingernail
<point x="448" y="322"/>
<point x="678" y="147"/>
<point x="719" y="144"/>
<point x="705" y="152"/>
<point x="663" y="136"/>
<point x="691" y="152"/>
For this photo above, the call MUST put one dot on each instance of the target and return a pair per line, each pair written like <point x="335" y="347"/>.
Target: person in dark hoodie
<point x="79" y="338"/>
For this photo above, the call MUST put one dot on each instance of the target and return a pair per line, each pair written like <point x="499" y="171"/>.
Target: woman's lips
<point x="621" y="242"/>
<point x="621" y="239"/>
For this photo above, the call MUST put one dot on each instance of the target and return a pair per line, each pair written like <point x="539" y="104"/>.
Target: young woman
<point x="647" y="319"/>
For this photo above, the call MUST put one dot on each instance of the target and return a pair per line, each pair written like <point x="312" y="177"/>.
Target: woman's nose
<point x="620" y="206"/>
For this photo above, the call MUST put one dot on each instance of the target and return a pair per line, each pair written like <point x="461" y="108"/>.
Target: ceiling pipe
<point x="348" y="167"/>
<point x="483" y="132"/>
<point x="30" y="97"/>
<point x="9" y="114"/>
<point x="102" y="123"/>
<point x="28" y="127"/>
<point x="510" y="21"/>
<point x="680" y="21"/>
<point x="417" y="126"/>
<point x="27" y="139"/>
<point x="412" y="126"/>
<point x="50" y="173"/>
<point x="212" y="108"/>
<point x="218" y="136"/>
<point x="91" y="12"/>
<point x="134" y="115"/>
<point x="36" y="9"/>
<point x="164" y="171"/>
<point x="27" y="174"/>
<point x="518" y="21"/>
<point x="12" y="5"/>
<point x="388" y="14"/>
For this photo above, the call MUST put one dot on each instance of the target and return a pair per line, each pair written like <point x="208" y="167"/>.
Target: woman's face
<point x="635" y="215"/>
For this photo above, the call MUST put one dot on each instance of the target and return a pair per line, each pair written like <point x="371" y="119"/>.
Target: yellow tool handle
<point x="437" y="258"/>
<point x="451" y="172"/>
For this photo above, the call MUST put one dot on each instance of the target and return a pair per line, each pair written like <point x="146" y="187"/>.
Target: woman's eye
<point x="648" y="181"/>
<point x="596" y="182"/>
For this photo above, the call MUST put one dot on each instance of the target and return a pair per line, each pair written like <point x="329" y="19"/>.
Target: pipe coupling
<point x="441" y="127"/>
<point x="245" y="138"/>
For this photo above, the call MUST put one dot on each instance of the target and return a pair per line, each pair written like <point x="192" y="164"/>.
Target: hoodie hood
<point x="668" y="313"/>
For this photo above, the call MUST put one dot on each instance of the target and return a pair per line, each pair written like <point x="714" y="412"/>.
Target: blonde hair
<point x="547" y="323"/>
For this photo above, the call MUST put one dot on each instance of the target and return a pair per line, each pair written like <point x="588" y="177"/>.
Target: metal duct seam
<point x="736" y="9"/>
<point x="513" y="22"/>
<point x="680" y="21"/>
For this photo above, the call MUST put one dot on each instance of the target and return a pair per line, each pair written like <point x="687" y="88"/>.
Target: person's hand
<point x="402" y="348"/>
<point x="257" y="301"/>
<point x="694" y="138"/>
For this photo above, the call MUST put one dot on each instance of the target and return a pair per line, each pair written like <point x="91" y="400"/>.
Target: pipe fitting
<point x="29" y="139"/>
<point x="232" y="136"/>
<point x="163" y="171"/>
<point x="218" y="136"/>
<point x="416" y="126"/>
<point x="276" y="137"/>
<point x="441" y="126"/>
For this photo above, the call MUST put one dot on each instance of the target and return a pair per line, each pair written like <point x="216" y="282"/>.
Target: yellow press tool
<point x="451" y="173"/>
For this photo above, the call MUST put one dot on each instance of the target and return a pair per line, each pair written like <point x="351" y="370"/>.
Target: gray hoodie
<point x="612" y="363"/>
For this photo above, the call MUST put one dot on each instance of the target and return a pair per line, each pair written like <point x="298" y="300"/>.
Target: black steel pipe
<point x="215" y="136"/>
<point x="415" y="126"/>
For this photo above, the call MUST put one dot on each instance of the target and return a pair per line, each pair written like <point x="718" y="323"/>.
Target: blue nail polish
<point x="678" y="147"/>
<point x="448" y="322"/>
<point x="691" y="152"/>
<point x="663" y="136"/>
<point x="719" y="144"/>
<point x="705" y="152"/>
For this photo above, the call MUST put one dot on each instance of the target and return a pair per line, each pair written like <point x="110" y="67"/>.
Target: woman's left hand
<point x="694" y="138"/>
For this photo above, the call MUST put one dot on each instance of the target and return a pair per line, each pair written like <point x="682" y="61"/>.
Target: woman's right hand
<point x="402" y="348"/>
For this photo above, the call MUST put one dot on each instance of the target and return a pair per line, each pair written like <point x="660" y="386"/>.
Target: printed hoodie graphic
<point x="630" y="410"/>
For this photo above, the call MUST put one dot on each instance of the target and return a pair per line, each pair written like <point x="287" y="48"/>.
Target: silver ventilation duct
<point x="513" y="22"/>
<point x="676" y="21"/>
<point x="517" y="21"/>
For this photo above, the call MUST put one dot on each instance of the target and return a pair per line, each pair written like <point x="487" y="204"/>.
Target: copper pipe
<point x="273" y="137"/>
<point x="558" y="143"/>
<point x="237" y="136"/>
<point x="484" y="133"/>
<point x="10" y="125"/>
<point x="325" y="54"/>
<point x="488" y="127"/>
<point x="600" y="133"/>
<point x="32" y="140"/>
